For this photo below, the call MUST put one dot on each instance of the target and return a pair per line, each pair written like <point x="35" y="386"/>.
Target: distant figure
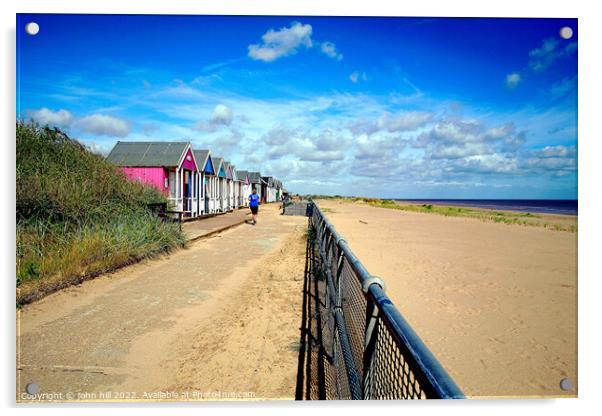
<point x="254" y="204"/>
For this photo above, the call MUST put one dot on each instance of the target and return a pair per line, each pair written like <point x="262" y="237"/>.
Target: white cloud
<point x="460" y="133"/>
<point x="221" y="116"/>
<point x="460" y="151"/>
<point x="329" y="49"/>
<point x="363" y="126"/>
<point x="103" y="125"/>
<point x="466" y="146"/>
<point x="557" y="151"/>
<point x="302" y="145"/>
<point x="102" y="149"/>
<point x="507" y="135"/>
<point x="564" y="87"/>
<point x="392" y="123"/>
<point x="96" y="124"/>
<point x="492" y="163"/>
<point x="45" y="116"/>
<point x="407" y="121"/>
<point x="321" y="155"/>
<point x="378" y="148"/>
<point x="451" y="131"/>
<point x="357" y="76"/>
<point x="551" y="165"/>
<point x="282" y="42"/>
<point x="499" y="132"/>
<point x="548" y="53"/>
<point x="224" y="144"/>
<point x="512" y="80"/>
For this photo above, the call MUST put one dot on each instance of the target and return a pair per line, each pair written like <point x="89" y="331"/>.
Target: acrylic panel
<point x="293" y="207"/>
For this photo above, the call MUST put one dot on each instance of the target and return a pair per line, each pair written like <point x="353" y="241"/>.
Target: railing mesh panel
<point x="392" y="377"/>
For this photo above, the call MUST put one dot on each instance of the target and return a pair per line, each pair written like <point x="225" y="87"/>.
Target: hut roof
<point x="228" y="169"/>
<point x="254" y="177"/>
<point x="201" y="156"/>
<point x="204" y="160"/>
<point x="147" y="154"/>
<point x="241" y="174"/>
<point x="217" y="163"/>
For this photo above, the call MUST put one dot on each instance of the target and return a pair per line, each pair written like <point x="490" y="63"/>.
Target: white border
<point x="590" y="35"/>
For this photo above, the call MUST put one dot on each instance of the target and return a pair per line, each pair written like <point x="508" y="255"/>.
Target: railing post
<point x="370" y="335"/>
<point x="340" y="264"/>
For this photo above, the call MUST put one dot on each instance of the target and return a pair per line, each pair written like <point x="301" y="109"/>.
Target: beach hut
<point x="220" y="184"/>
<point x="267" y="184"/>
<point x="206" y="199"/>
<point x="254" y="180"/>
<point x="273" y="189"/>
<point x="228" y="186"/>
<point x="244" y="187"/>
<point x="236" y="188"/>
<point x="214" y="188"/>
<point x="278" y="189"/>
<point x="232" y="178"/>
<point x="170" y="167"/>
<point x="264" y="190"/>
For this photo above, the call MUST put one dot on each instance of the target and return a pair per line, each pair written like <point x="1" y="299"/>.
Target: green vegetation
<point x="317" y="196"/>
<point x="519" y="218"/>
<point x="77" y="216"/>
<point x="310" y="235"/>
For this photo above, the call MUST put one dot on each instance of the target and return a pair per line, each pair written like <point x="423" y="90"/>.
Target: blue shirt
<point x="253" y="200"/>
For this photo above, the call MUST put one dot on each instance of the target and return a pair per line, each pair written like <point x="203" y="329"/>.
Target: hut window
<point x="172" y="183"/>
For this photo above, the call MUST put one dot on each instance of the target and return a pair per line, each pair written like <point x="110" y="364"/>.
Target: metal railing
<point x="367" y="349"/>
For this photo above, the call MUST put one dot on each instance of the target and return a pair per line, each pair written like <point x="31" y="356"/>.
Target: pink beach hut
<point x="168" y="166"/>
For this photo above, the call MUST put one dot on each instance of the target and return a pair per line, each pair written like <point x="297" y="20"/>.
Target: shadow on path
<point x="311" y="374"/>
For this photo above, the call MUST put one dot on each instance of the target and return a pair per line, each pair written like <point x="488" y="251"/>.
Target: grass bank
<point x="506" y="217"/>
<point x="77" y="216"/>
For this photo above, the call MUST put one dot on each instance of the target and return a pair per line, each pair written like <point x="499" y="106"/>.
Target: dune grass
<point x="77" y="215"/>
<point x="506" y="217"/>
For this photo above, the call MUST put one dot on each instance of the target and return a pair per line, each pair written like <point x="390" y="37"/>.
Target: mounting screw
<point x="32" y="28"/>
<point x="566" y="384"/>
<point x="32" y="388"/>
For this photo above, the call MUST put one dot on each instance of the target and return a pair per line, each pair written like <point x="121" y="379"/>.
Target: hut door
<point x="206" y="194"/>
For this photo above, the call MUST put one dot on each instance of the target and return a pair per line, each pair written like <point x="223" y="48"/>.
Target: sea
<point x="541" y="206"/>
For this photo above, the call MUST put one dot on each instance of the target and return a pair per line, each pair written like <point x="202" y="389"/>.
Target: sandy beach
<point x="495" y="302"/>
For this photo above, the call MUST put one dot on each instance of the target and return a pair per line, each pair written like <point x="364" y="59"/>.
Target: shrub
<point x="77" y="215"/>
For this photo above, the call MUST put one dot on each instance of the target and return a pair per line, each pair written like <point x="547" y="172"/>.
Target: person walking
<point x="254" y="204"/>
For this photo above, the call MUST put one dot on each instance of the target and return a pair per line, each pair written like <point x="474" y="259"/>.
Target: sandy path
<point x="496" y="303"/>
<point x="218" y="319"/>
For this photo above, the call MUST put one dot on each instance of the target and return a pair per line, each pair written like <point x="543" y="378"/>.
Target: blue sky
<point x="385" y="107"/>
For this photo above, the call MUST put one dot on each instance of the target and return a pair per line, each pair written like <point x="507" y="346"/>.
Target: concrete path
<point x="204" y="227"/>
<point x="217" y="319"/>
